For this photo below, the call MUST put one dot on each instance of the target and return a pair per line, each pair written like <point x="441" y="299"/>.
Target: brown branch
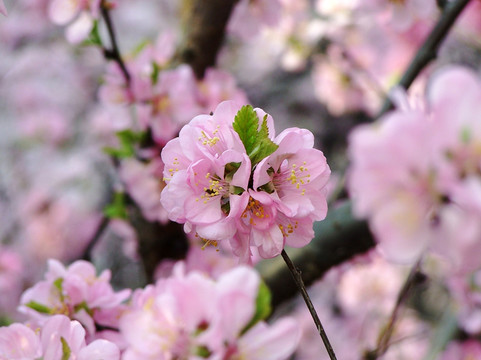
<point x="87" y="255"/>
<point x="429" y="49"/>
<point x="113" y="53"/>
<point x="302" y="288"/>
<point x="205" y="22"/>
<point x="339" y="237"/>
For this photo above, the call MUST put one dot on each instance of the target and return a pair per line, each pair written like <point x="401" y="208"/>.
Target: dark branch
<point x="113" y="53"/>
<point x="429" y="49"/>
<point x="95" y="239"/>
<point x="338" y="238"/>
<point x="205" y="22"/>
<point x="302" y="288"/>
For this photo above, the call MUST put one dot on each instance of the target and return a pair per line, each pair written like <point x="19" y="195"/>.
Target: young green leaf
<point x="256" y="141"/>
<point x="117" y="209"/>
<point x="245" y="124"/>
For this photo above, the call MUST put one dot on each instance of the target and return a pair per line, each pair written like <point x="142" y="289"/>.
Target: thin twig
<point x="385" y="339"/>
<point x="113" y="53"/>
<point x="302" y="288"/>
<point x="428" y="50"/>
<point x="95" y="239"/>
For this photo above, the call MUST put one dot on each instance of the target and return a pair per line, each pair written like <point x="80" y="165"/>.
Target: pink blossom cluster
<point x="184" y="316"/>
<point x="163" y="100"/>
<point x="58" y="338"/>
<point x="415" y="173"/>
<point x="166" y="98"/>
<point x="226" y="186"/>
<point x="190" y="316"/>
<point x="75" y="291"/>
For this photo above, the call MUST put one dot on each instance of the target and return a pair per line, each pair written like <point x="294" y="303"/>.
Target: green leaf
<point x="94" y="36"/>
<point x="117" y="209"/>
<point x="39" y="307"/>
<point x="263" y="306"/>
<point x="128" y="140"/>
<point x="65" y="349"/>
<point x="256" y="141"/>
<point x="203" y="352"/>
<point x="245" y="124"/>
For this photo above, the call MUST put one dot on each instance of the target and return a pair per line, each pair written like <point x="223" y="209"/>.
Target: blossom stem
<point x="384" y="340"/>
<point x="302" y="288"/>
<point x="113" y="53"/>
<point x="428" y="50"/>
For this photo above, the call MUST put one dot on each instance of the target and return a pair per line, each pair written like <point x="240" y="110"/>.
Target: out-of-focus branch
<point x="156" y="241"/>
<point x="95" y="238"/>
<point x="113" y="53"/>
<point x="339" y="237"/>
<point x="429" y="49"/>
<point x="204" y="23"/>
<point x="384" y="340"/>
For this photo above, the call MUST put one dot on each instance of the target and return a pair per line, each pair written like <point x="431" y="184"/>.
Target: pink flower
<point x="202" y="182"/>
<point x="191" y="315"/>
<point x="430" y="198"/>
<point x="264" y="199"/>
<point x="82" y="12"/>
<point x="59" y="338"/>
<point x="77" y="292"/>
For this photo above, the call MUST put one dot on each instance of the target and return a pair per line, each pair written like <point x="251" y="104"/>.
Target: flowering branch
<point x="428" y="50"/>
<point x="113" y="53"/>
<point x="302" y="288"/>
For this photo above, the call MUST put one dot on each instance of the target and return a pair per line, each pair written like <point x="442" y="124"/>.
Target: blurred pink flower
<point x="58" y="338"/>
<point x="82" y="12"/>
<point x="75" y="291"/>
<point x="430" y="197"/>
<point x="189" y="315"/>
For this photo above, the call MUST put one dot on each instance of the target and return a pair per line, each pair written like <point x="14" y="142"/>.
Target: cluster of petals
<point x="415" y="174"/>
<point x="80" y="14"/>
<point x="166" y="98"/>
<point x="58" y="338"/>
<point x="191" y="316"/>
<point x="213" y="189"/>
<point x="75" y="291"/>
